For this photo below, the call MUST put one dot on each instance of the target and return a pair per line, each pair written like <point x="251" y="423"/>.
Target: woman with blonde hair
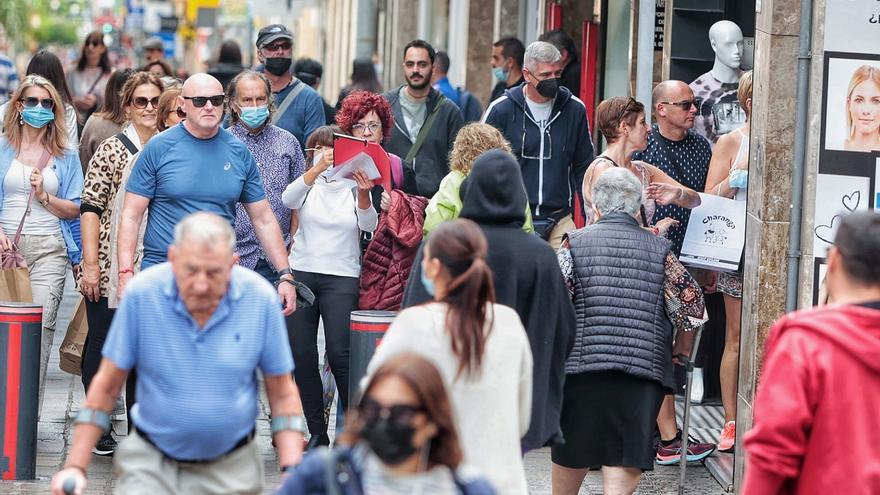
<point x="470" y="142"/>
<point x="39" y="200"/>
<point x="863" y="110"/>
<point x="728" y="177"/>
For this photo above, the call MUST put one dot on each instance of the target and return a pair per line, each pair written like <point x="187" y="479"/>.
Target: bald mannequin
<point x="726" y="39"/>
<point x="202" y="122"/>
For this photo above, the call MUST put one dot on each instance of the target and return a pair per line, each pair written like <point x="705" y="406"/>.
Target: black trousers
<point x="99" y="316"/>
<point x="335" y="298"/>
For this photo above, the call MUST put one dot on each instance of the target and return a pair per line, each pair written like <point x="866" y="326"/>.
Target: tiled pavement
<point x="64" y="394"/>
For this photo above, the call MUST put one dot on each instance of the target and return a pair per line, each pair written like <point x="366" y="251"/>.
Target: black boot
<point x="317" y="440"/>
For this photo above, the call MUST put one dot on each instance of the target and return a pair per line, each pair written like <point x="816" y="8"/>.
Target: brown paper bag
<point x="15" y="285"/>
<point x="74" y="344"/>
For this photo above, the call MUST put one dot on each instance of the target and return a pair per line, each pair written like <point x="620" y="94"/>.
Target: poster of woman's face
<point x="853" y="105"/>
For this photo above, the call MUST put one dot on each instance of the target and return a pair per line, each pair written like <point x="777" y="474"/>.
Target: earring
<point x="20" y="120"/>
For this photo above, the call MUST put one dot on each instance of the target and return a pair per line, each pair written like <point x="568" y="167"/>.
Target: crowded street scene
<point x="549" y="247"/>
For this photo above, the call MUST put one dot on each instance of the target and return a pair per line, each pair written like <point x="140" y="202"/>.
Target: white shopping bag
<point x="716" y="234"/>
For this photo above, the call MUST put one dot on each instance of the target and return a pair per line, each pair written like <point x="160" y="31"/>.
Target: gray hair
<point x="207" y="229"/>
<point x="232" y="93"/>
<point x="540" y="52"/>
<point x="617" y="190"/>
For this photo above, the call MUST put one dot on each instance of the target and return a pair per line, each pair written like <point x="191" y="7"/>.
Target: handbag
<point x="72" y="347"/>
<point x="15" y="282"/>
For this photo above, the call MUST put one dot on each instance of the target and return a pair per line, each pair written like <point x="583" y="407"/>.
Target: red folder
<point x="346" y="147"/>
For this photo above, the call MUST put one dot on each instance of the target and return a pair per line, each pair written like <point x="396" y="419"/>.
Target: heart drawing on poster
<point x="826" y="232"/>
<point x="851" y="201"/>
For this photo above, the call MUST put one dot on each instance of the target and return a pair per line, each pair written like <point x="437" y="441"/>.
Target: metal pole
<point x="686" y="420"/>
<point x="645" y="54"/>
<point x="800" y="152"/>
<point x="366" y="28"/>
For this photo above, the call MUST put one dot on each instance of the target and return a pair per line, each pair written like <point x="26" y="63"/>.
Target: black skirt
<point x="608" y="419"/>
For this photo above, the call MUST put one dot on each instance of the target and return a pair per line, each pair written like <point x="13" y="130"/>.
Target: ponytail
<point x="460" y="246"/>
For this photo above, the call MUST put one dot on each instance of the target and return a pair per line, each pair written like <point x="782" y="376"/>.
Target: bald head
<point x="726" y="29"/>
<point x="202" y="85"/>
<point x="671" y="91"/>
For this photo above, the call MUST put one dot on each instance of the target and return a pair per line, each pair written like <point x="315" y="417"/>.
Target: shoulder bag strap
<point x="94" y="84"/>
<point x="44" y="159"/>
<point x="425" y="130"/>
<point x="288" y="100"/>
<point x="127" y="142"/>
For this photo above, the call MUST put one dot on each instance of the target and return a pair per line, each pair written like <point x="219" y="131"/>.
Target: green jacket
<point x="446" y="204"/>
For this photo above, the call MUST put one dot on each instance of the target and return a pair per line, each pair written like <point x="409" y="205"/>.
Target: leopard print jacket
<point x="101" y="186"/>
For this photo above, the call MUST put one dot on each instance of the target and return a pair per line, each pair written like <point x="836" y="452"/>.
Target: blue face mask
<point x="428" y="283"/>
<point x="739" y="179"/>
<point x="37" y="116"/>
<point x="500" y="74"/>
<point x="254" y="117"/>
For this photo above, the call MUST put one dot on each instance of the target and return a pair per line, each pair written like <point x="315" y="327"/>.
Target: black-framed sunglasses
<point x="180" y="113"/>
<point x="274" y="47"/>
<point x="685" y="104"/>
<point x="371" y="410"/>
<point x="200" y="101"/>
<point x="141" y="102"/>
<point x="94" y="43"/>
<point x="32" y="101"/>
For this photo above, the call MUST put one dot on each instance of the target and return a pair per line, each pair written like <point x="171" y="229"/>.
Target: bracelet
<point x="292" y="422"/>
<point x="46" y="203"/>
<point x="284" y="271"/>
<point x="96" y="417"/>
<point x="125" y="270"/>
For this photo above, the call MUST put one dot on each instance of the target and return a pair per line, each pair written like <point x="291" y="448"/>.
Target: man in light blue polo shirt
<point x="196" y="166"/>
<point x="196" y="329"/>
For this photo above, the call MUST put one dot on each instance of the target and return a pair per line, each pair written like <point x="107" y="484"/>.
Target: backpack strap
<point x="425" y="130"/>
<point x="288" y="100"/>
<point x="127" y="142"/>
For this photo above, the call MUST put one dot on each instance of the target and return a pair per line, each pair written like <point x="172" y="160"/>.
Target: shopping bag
<point x="71" y="351"/>
<point x="716" y="234"/>
<point x="15" y="285"/>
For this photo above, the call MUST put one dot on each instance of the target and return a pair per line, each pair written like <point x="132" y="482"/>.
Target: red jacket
<point x="817" y="412"/>
<point x="389" y="256"/>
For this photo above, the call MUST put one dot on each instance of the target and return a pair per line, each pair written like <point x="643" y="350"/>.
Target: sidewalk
<point x="64" y="395"/>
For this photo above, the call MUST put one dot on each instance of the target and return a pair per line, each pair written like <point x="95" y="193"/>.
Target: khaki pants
<point x="46" y="257"/>
<point x="141" y="469"/>
<point x="564" y="226"/>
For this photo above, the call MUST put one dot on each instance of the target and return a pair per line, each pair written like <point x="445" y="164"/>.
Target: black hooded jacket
<point x="527" y="278"/>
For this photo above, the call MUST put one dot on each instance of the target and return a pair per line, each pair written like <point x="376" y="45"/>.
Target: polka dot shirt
<point x="689" y="166"/>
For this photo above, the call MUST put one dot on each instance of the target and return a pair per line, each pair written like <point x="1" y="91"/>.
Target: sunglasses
<point x="685" y="104"/>
<point x="200" y="101"/>
<point x="94" y="43"/>
<point x="403" y="414"/>
<point x="278" y="46"/>
<point x="32" y="101"/>
<point x="141" y="102"/>
<point x="180" y="113"/>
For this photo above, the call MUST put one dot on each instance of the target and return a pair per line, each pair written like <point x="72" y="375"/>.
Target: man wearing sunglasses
<point x="197" y="166"/>
<point x="547" y="128"/>
<point x="299" y="109"/>
<point x="684" y="155"/>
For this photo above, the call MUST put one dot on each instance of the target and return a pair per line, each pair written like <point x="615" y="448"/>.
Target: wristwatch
<point x="284" y="271"/>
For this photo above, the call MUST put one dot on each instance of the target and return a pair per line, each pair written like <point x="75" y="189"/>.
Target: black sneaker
<point x="106" y="444"/>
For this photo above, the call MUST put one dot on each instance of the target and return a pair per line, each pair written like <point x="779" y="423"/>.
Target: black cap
<point x="271" y="33"/>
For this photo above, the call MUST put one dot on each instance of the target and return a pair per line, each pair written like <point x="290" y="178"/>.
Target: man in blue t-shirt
<point x="300" y="109"/>
<point x="196" y="330"/>
<point x="196" y="166"/>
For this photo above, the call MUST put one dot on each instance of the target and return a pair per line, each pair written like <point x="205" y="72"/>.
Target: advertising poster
<point x="850" y="134"/>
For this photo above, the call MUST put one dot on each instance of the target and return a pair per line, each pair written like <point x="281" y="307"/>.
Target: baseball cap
<point x="271" y="33"/>
<point x="154" y="43"/>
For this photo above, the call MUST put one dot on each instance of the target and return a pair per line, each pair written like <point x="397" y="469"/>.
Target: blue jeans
<point x="265" y="269"/>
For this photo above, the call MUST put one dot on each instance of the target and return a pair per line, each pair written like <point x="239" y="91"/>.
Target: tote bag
<point x="716" y="234"/>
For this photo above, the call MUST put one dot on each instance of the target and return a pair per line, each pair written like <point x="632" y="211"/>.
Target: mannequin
<point x="720" y="113"/>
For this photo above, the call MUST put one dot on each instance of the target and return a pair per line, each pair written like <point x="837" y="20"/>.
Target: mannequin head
<point x="726" y="39"/>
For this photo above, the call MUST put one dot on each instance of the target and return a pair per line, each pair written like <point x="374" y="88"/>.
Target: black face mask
<point x="278" y="65"/>
<point x="389" y="440"/>
<point x="548" y="87"/>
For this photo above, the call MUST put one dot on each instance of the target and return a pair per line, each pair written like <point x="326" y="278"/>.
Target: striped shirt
<point x="197" y="387"/>
<point x="8" y="78"/>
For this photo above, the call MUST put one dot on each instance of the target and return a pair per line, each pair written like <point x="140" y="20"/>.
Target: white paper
<point x="852" y="26"/>
<point x="836" y="195"/>
<point x="361" y="161"/>
<point x="715" y="234"/>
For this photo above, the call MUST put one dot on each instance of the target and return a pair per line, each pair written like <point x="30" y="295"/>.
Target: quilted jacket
<point x="389" y="256"/>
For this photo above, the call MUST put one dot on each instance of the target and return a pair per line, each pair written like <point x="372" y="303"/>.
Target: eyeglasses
<point x="200" y="101"/>
<point x="361" y="128"/>
<point x="371" y="410"/>
<point x="685" y="104"/>
<point x="32" y="101"/>
<point x="543" y="134"/>
<point x="180" y="113"/>
<point x="141" y="102"/>
<point x="274" y="47"/>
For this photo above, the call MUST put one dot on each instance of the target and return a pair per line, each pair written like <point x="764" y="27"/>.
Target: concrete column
<point x="770" y="167"/>
<point x="399" y="33"/>
<point x="478" y="75"/>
